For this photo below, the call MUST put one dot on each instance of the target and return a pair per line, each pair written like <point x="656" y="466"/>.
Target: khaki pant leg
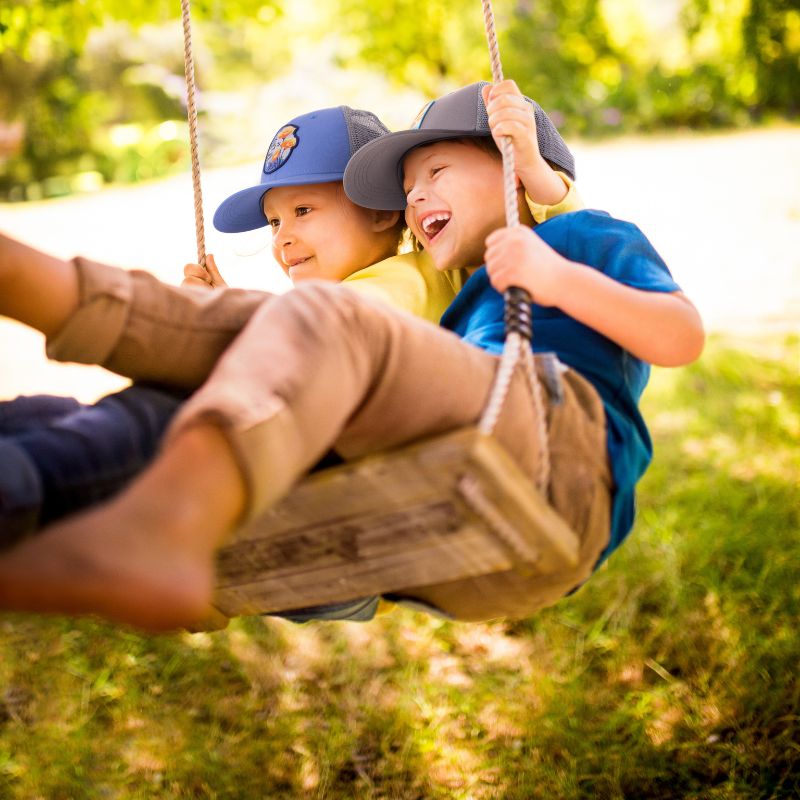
<point x="321" y="367"/>
<point x="133" y="324"/>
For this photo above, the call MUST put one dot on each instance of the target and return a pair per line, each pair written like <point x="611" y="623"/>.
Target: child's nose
<point x="416" y="195"/>
<point x="284" y="235"/>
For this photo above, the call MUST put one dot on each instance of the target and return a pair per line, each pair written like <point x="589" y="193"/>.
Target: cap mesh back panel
<point x="482" y="123"/>
<point x="362" y="127"/>
<point x="551" y="145"/>
<point x="483" y="118"/>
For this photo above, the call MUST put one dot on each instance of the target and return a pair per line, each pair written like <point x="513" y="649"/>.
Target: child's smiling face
<point x="318" y="233"/>
<point x="455" y="200"/>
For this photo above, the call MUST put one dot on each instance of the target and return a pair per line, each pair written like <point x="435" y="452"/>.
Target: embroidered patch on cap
<point x="281" y="148"/>
<point x="420" y="118"/>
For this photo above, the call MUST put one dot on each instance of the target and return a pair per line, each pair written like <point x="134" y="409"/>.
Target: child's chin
<point x="443" y="261"/>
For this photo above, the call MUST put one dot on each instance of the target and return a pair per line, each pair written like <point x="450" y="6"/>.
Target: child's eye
<point x="301" y="211"/>
<point x="273" y="223"/>
<point x="435" y="170"/>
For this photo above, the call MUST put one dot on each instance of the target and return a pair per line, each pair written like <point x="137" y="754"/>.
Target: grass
<point x="671" y="674"/>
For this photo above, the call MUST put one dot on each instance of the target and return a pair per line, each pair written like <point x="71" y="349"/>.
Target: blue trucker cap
<point x="374" y="176"/>
<point x="311" y="148"/>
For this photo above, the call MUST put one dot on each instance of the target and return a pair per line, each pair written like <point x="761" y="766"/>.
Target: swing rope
<point x="516" y="349"/>
<point x="191" y="110"/>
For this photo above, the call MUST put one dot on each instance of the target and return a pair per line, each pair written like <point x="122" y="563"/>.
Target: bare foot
<point x="145" y="558"/>
<point x="99" y="563"/>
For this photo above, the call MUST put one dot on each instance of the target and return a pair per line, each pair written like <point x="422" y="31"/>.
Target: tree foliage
<point x="70" y="21"/>
<point x="71" y="70"/>
<point x="591" y="61"/>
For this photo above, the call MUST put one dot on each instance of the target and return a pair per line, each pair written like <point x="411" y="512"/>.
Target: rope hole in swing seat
<point x="450" y="507"/>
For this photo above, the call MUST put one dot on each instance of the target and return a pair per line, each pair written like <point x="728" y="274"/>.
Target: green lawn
<point x="672" y="674"/>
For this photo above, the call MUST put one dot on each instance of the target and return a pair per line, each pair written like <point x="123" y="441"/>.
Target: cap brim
<point x="244" y="211"/>
<point x="374" y="175"/>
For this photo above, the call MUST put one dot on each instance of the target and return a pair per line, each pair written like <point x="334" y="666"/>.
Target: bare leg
<point x="35" y="288"/>
<point x="145" y="558"/>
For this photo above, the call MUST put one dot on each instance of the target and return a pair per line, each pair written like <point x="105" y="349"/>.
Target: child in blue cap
<point x="317" y="232"/>
<point x="301" y="186"/>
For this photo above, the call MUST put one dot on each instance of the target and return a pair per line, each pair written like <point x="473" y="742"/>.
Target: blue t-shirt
<point x="622" y="252"/>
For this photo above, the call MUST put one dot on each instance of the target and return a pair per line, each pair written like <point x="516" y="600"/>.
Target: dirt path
<point x="724" y="211"/>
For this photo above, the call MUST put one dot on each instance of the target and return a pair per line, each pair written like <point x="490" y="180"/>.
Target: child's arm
<point x="571" y="201"/>
<point x="208" y="277"/>
<point x="511" y="115"/>
<point x="661" y="328"/>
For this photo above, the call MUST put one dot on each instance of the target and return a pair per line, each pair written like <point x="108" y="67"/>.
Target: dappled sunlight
<point x="631" y="674"/>
<point x="200" y="641"/>
<point x="493" y="647"/>
<point x="668" y="422"/>
<point x="298" y="658"/>
<point x="660" y="730"/>
<point x="499" y="724"/>
<point x="710" y="714"/>
<point x="446" y="669"/>
<point x="719" y="627"/>
<point x="367" y="643"/>
<point x="145" y="759"/>
<point x="459" y="768"/>
<point x="719" y="448"/>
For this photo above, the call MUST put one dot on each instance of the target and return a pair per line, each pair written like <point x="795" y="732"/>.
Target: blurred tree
<point x="772" y="42"/>
<point x="70" y="21"/>
<point x="592" y="62"/>
<point x="70" y="70"/>
<point x="417" y="43"/>
<point x="559" y="51"/>
<point x="62" y="85"/>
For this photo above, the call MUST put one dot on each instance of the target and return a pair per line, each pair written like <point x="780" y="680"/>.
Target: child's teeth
<point x="431" y="223"/>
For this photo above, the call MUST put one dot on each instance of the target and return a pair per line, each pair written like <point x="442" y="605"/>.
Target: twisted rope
<point x="516" y="349"/>
<point x="477" y="500"/>
<point x="191" y="110"/>
<point x="506" y="148"/>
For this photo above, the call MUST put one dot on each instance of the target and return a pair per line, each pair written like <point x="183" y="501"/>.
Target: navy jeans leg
<point x="55" y="464"/>
<point x="25" y="413"/>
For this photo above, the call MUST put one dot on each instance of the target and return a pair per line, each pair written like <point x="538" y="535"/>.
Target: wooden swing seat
<point x="391" y="522"/>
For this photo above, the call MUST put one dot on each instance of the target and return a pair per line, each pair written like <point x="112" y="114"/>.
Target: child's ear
<point x="383" y="220"/>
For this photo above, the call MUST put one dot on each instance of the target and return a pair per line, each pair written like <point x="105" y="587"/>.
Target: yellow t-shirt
<point x="570" y="202"/>
<point x="410" y="282"/>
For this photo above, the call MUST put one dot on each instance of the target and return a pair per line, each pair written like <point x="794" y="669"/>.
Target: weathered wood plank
<point x="390" y="521"/>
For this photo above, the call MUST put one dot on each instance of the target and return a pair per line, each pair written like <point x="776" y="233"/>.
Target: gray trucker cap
<point x="374" y="175"/>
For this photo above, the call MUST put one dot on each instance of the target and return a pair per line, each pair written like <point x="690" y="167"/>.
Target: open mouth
<point x="433" y="224"/>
